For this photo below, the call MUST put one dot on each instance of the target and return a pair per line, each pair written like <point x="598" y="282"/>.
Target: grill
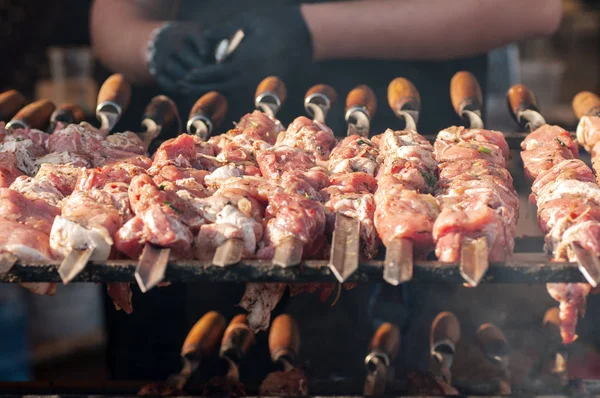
<point x="530" y="264"/>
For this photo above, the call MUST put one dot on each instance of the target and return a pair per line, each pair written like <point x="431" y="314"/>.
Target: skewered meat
<point x="312" y="137"/>
<point x="474" y="202"/>
<point x="404" y="207"/>
<point x="568" y="211"/>
<point x="8" y="169"/>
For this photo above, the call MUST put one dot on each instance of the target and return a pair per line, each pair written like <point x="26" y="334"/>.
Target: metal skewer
<point x="405" y="101"/>
<point x="270" y="95"/>
<point x="66" y="114"/>
<point x="201" y="341"/>
<point x="318" y="101"/>
<point x="524" y="109"/>
<point x="467" y="101"/>
<point x="345" y="245"/>
<point x="161" y="114"/>
<point x="33" y="116"/>
<point x="207" y="114"/>
<point x="10" y="103"/>
<point x="361" y="105"/>
<point x="496" y="349"/>
<point x="383" y="349"/>
<point x="443" y="338"/>
<point x="113" y="100"/>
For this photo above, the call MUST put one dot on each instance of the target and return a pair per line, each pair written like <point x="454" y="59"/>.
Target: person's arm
<point x="425" y="29"/>
<point x="120" y="30"/>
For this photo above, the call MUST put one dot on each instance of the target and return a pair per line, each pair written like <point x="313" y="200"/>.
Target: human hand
<point x="275" y="43"/>
<point x="174" y="51"/>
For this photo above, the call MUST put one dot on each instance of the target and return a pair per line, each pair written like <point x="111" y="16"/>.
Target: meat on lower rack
<point x="568" y="203"/>
<point x="476" y="201"/>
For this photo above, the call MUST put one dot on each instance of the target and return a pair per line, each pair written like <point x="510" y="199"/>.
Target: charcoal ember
<point x="223" y="387"/>
<point x="159" y="389"/>
<point x="284" y="384"/>
<point x="427" y="384"/>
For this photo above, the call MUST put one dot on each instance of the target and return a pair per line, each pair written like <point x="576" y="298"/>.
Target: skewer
<point x="405" y="101"/>
<point x="113" y="100"/>
<point x="269" y="96"/>
<point x="201" y="341"/>
<point x="524" y="109"/>
<point x="10" y="103"/>
<point x="383" y="348"/>
<point x="7" y="261"/>
<point x="443" y="338"/>
<point x="345" y="245"/>
<point x="229" y="253"/>
<point x="318" y="101"/>
<point x="226" y="47"/>
<point x="288" y="252"/>
<point x="34" y="116"/>
<point x="206" y="114"/>
<point x="361" y="105"/>
<point x="67" y="114"/>
<point x="467" y="101"/>
<point x="496" y="349"/>
<point x="151" y="266"/>
<point x="160" y="114"/>
<point x="114" y="95"/>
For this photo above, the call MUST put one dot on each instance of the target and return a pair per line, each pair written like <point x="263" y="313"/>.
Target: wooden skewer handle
<point x="284" y="338"/>
<point x="386" y="339"/>
<point x="68" y="113"/>
<point x="465" y="93"/>
<point x="324" y="90"/>
<point x="115" y="89"/>
<point x="492" y="341"/>
<point x="586" y="103"/>
<point x="10" y="103"/>
<point x="272" y="84"/>
<point x="403" y="95"/>
<point x="362" y="97"/>
<point x="238" y="338"/>
<point x="37" y="114"/>
<point x="163" y="111"/>
<point x="520" y="98"/>
<point x="445" y="327"/>
<point x="213" y="106"/>
<point x="204" y="336"/>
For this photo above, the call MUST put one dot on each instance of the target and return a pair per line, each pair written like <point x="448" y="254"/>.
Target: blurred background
<point x="46" y="54"/>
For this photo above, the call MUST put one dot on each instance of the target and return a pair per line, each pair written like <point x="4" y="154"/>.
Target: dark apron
<point x="145" y="345"/>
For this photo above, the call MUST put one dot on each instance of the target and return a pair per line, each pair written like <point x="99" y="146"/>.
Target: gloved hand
<point x="175" y="50"/>
<point x="276" y="42"/>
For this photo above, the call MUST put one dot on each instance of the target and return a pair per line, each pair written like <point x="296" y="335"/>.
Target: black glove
<point x="175" y="50"/>
<point x="276" y="42"/>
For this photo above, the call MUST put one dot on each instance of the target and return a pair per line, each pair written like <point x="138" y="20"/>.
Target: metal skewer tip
<point x="474" y="260"/>
<point x="7" y="261"/>
<point x="345" y="247"/>
<point x="288" y="253"/>
<point x="589" y="265"/>
<point x="74" y="263"/>
<point x="398" y="263"/>
<point x="151" y="266"/>
<point x="229" y="253"/>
